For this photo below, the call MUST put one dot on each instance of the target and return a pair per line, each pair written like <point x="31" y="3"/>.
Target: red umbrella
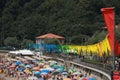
<point x="1" y="63"/>
<point x="85" y="79"/>
<point x="115" y="77"/>
<point x="12" y="66"/>
<point x="116" y="73"/>
<point x="26" y="62"/>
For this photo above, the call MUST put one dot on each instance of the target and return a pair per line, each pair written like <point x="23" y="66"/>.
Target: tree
<point x="26" y="19"/>
<point x="117" y="32"/>
<point x="26" y="43"/>
<point x="11" y="41"/>
<point x="97" y="37"/>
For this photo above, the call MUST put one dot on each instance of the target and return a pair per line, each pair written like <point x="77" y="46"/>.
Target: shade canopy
<point x="50" y="35"/>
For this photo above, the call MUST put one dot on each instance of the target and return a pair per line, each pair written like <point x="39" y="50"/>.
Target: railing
<point x="100" y="66"/>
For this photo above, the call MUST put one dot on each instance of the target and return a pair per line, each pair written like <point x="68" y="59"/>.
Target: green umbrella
<point x="56" y="72"/>
<point x="22" y="65"/>
<point x="70" y="70"/>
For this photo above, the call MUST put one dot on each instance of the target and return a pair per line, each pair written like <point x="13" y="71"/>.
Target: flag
<point x="108" y="14"/>
<point x="116" y="48"/>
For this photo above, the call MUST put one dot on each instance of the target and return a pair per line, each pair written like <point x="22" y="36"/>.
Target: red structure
<point x="49" y="35"/>
<point x="116" y="76"/>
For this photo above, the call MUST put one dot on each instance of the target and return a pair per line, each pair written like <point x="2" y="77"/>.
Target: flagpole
<point x="114" y="42"/>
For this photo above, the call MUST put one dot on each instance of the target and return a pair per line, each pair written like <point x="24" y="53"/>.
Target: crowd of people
<point x="38" y="70"/>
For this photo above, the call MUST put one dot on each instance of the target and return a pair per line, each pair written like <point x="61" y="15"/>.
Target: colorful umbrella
<point x="76" y="73"/>
<point x="43" y="73"/>
<point x="36" y="68"/>
<point x="85" y="79"/>
<point x="44" y="70"/>
<point x="56" y="72"/>
<point x="70" y="70"/>
<point x="21" y="69"/>
<point x="1" y="63"/>
<point x="50" y="69"/>
<point x="64" y="73"/>
<point x="12" y="66"/>
<point x="22" y="65"/>
<point x="27" y="71"/>
<point x="91" y="78"/>
<point x="37" y="73"/>
<point x="26" y="62"/>
<point x="27" y="66"/>
<point x="17" y="63"/>
<point x="56" y="67"/>
<point x="66" y="79"/>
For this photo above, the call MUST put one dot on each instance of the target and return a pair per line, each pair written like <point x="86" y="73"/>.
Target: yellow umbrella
<point x="27" y="71"/>
<point x="46" y="66"/>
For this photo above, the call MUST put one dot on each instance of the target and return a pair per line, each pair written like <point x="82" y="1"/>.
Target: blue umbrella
<point x="17" y="63"/>
<point x="27" y="66"/>
<point x="36" y="73"/>
<point x="43" y="73"/>
<point x="91" y="78"/>
<point x="55" y="67"/>
<point x="45" y="70"/>
<point x="21" y="69"/>
<point x="64" y="73"/>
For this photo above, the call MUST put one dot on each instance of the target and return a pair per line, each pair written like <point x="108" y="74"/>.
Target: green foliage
<point x="26" y="43"/>
<point x="11" y="41"/>
<point x="27" y="19"/>
<point x="117" y="32"/>
<point x="97" y="37"/>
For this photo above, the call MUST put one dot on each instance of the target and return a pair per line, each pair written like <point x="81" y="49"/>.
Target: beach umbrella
<point x="34" y="61"/>
<point x="22" y="65"/>
<point x="43" y="73"/>
<point x="32" y="65"/>
<point x="36" y="68"/>
<point x="56" y="72"/>
<point x="70" y="70"/>
<point x="116" y="73"/>
<point x="27" y="66"/>
<point x="44" y="70"/>
<point x="115" y="77"/>
<point x="52" y="63"/>
<point x="41" y="63"/>
<point x="50" y="69"/>
<point x="17" y="63"/>
<point x="91" y="78"/>
<point x="12" y="66"/>
<point x="55" y="66"/>
<point x="61" y="68"/>
<point x="64" y="73"/>
<point x="46" y="66"/>
<point x="26" y="62"/>
<point x="21" y="69"/>
<point x="1" y="63"/>
<point x="32" y="78"/>
<point x="85" y="79"/>
<point x="76" y="73"/>
<point x="27" y="71"/>
<point x="81" y="78"/>
<point x="37" y="73"/>
<point x="40" y="79"/>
